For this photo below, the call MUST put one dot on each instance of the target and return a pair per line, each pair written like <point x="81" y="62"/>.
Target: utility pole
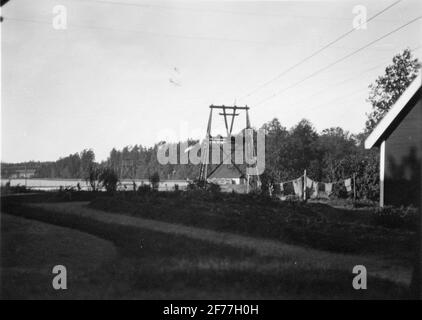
<point x="416" y="283"/>
<point x="354" y="187"/>
<point x="419" y="263"/>
<point x="121" y="168"/>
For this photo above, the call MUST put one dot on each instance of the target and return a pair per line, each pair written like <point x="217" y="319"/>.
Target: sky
<point x="125" y="72"/>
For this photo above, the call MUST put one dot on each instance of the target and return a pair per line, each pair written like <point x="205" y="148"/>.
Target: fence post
<point x="354" y="186"/>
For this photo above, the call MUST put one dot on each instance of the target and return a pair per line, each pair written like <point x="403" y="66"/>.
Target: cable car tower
<point x="229" y="114"/>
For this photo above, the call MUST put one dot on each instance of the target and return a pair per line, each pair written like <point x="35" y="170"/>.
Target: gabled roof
<point x="382" y="129"/>
<point x="226" y="171"/>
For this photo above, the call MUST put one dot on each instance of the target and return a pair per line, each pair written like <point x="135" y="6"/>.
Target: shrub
<point x="197" y="185"/>
<point x="144" y="188"/>
<point x="108" y="178"/>
<point x="15" y="189"/>
<point x="154" y="180"/>
<point x="93" y="177"/>
<point x="213" y="187"/>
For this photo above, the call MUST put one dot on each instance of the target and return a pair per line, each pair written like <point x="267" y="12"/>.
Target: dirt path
<point x="376" y="266"/>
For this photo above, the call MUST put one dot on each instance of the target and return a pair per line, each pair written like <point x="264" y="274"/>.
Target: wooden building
<point x="226" y="174"/>
<point x="399" y="138"/>
<point x="22" y="174"/>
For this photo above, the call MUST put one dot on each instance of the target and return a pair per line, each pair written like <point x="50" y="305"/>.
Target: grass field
<point x="313" y="225"/>
<point x="151" y="264"/>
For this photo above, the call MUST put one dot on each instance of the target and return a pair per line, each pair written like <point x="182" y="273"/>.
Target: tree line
<point x="329" y="155"/>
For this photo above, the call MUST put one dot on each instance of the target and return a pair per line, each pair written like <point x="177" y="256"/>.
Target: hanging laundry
<point x="298" y="187"/>
<point x="328" y="188"/>
<point x="348" y="184"/>
<point x="270" y="189"/>
<point x="309" y="183"/>
<point x="288" y="188"/>
<point x="315" y="190"/>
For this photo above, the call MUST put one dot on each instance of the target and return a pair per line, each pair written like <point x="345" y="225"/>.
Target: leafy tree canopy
<point x="387" y="88"/>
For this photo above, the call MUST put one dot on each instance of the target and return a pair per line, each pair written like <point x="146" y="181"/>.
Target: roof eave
<point x="378" y="134"/>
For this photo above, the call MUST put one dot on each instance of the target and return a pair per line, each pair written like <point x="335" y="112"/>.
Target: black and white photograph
<point x="210" y="156"/>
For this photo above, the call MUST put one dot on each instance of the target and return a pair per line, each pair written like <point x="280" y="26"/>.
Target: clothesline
<point x="333" y="182"/>
<point x="283" y="182"/>
<point x="303" y="183"/>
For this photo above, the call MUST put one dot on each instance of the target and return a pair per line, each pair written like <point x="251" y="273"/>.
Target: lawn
<point x="30" y="249"/>
<point x="154" y="265"/>
<point x="314" y="225"/>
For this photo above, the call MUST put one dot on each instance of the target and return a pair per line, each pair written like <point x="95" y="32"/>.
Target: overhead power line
<point x="208" y="10"/>
<point x="342" y="82"/>
<point x="158" y="34"/>
<point x="347" y="95"/>
<point x="338" y="61"/>
<point x="163" y="35"/>
<point x="317" y="52"/>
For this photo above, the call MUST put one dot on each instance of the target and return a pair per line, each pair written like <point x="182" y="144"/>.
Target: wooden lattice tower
<point x="226" y="112"/>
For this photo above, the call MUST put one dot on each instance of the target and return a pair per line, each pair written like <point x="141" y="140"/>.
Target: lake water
<point x="54" y="184"/>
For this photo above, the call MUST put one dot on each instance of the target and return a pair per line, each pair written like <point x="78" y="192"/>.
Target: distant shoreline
<point x="54" y="184"/>
<point x="79" y="179"/>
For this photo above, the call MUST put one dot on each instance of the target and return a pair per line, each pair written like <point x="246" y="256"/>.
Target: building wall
<point x="403" y="156"/>
<point x="226" y="180"/>
<point x="23" y="174"/>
